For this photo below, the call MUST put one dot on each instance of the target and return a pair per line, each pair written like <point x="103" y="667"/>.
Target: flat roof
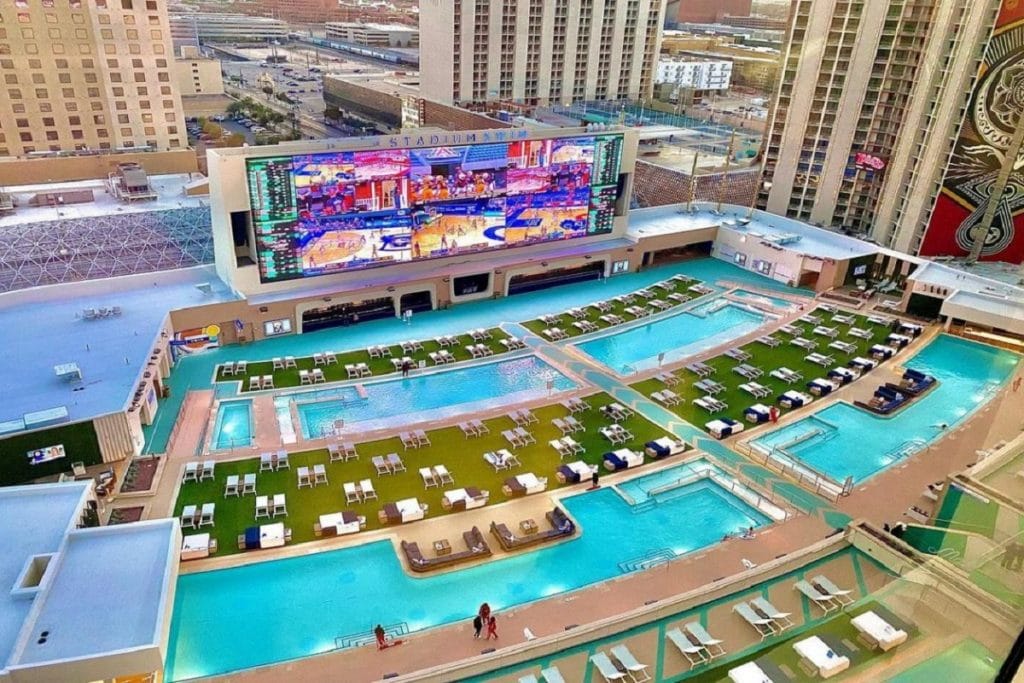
<point x="33" y="521"/>
<point x="125" y="571"/>
<point x="805" y="239"/>
<point x="43" y="327"/>
<point x="169" y="189"/>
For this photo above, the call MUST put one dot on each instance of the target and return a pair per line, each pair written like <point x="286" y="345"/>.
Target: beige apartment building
<point x="87" y="74"/>
<point x="197" y="75"/>
<point x="871" y="97"/>
<point x="539" y="51"/>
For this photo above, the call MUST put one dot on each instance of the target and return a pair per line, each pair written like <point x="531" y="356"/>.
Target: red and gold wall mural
<point x="993" y="114"/>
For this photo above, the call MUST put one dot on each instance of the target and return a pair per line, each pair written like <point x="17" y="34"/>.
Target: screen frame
<point x="615" y="212"/>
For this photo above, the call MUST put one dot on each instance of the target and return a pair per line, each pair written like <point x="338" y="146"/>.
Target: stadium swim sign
<point x="405" y="141"/>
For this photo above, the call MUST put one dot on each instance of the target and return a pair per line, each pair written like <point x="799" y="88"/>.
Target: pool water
<point x="966" y="662"/>
<point x="755" y="297"/>
<point x="272" y="611"/>
<point x="843" y="440"/>
<point x="443" y="393"/>
<point x="195" y="372"/>
<point x="677" y="336"/>
<point x="233" y="426"/>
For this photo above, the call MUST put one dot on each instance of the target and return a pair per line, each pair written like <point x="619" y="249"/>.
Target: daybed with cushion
<point x="622" y="459"/>
<point x="757" y="413"/>
<point x="826" y="660"/>
<point x="663" y="447"/>
<point x="863" y="364"/>
<point x="339" y="524"/>
<point x="476" y="548"/>
<point x="561" y="527"/>
<point x="915" y="382"/>
<point x="407" y="510"/>
<point x="878" y="631"/>
<point x="573" y="472"/>
<point x="464" y="499"/>
<point x="524" y="485"/>
<point x="794" y="399"/>
<point x="724" y="427"/>
<point x="882" y="352"/>
<point x="843" y="375"/>
<point x="821" y="387"/>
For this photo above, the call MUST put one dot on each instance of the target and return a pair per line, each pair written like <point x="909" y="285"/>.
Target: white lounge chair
<point x="780" y="619"/>
<point x="607" y="669"/>
<point x="763" y="625"/>
<point x="637" y="671"/>
<point x="823" y="601"/>
<point x="712" y="645"/>
<point x="694" y="654"/>
<point x="825" y="584"/>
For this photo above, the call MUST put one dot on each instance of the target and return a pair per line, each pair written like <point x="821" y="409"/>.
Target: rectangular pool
<point x="442" y="394"/>
<point x="233" y="426"/>
<point x="844" y="441"/>
<point x="678" y="336"/>
<point x="307" y="605"/>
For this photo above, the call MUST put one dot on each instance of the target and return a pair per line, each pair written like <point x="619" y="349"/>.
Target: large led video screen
<point x="340" y="211"/>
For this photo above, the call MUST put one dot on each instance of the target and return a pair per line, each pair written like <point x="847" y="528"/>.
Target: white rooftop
<point x="105" y="593"/>
<point x="125" y="570"/>
<point x="789" y="234"/>
<point x="169" y="189"/>
<point x="43" y="327"/>
<point x="33" y="521"/>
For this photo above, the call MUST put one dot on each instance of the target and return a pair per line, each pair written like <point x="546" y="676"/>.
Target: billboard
<point x="332" y="212"/>
<point x="868" y="162"/>
<point x="985" y="135"/>
<point x="40" y="455"/>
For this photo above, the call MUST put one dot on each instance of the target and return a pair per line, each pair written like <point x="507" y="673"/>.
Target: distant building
<point x="188" y="29"/>
<point x="693" y="73"/>
<point x="904" y="127"/>
<point x="197" y="75"/>
<point x="539" y="52"/>
<point x="376" y="35"/>
<point x="706" y="11"/>
<point x="87" y="76"/>
<point x="764" y="23"/>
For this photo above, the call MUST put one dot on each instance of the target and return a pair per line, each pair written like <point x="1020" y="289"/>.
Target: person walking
<point x="478" y="626"/>
<point x="381" y="636"/>
<point x="492" y="628"/>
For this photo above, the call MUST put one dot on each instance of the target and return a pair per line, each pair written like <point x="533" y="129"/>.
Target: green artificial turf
<point x="565" y="321"/>
<point x="768" y="359"/>
<point x="462" y="456"/>
<point x="779" y="656"/>
<point x="335" y="372"/>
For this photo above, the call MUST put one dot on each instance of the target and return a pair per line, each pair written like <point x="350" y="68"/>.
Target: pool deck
<point x="882" y="499"/>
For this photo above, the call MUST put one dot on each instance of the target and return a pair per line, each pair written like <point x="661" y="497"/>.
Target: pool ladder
<point x="652" y="558"/>
<point x="363" y="638"/>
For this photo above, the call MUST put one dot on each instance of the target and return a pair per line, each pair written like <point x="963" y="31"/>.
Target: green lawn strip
<point x="838" y="632"/>
<point x="565" y="321"/>
<point x="768" y="359"/>
<point x="462" y="457"/>
<point x="336" y="372"/>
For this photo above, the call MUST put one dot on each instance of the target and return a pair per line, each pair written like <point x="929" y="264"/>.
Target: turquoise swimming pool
<point x="443" y="393"/>
<point x="844" y="441"/>
<point x="233" y="426"/>
<point x="232" y="618"/>
<point x="678" y="336"/>
<point x="966" y="662"/>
